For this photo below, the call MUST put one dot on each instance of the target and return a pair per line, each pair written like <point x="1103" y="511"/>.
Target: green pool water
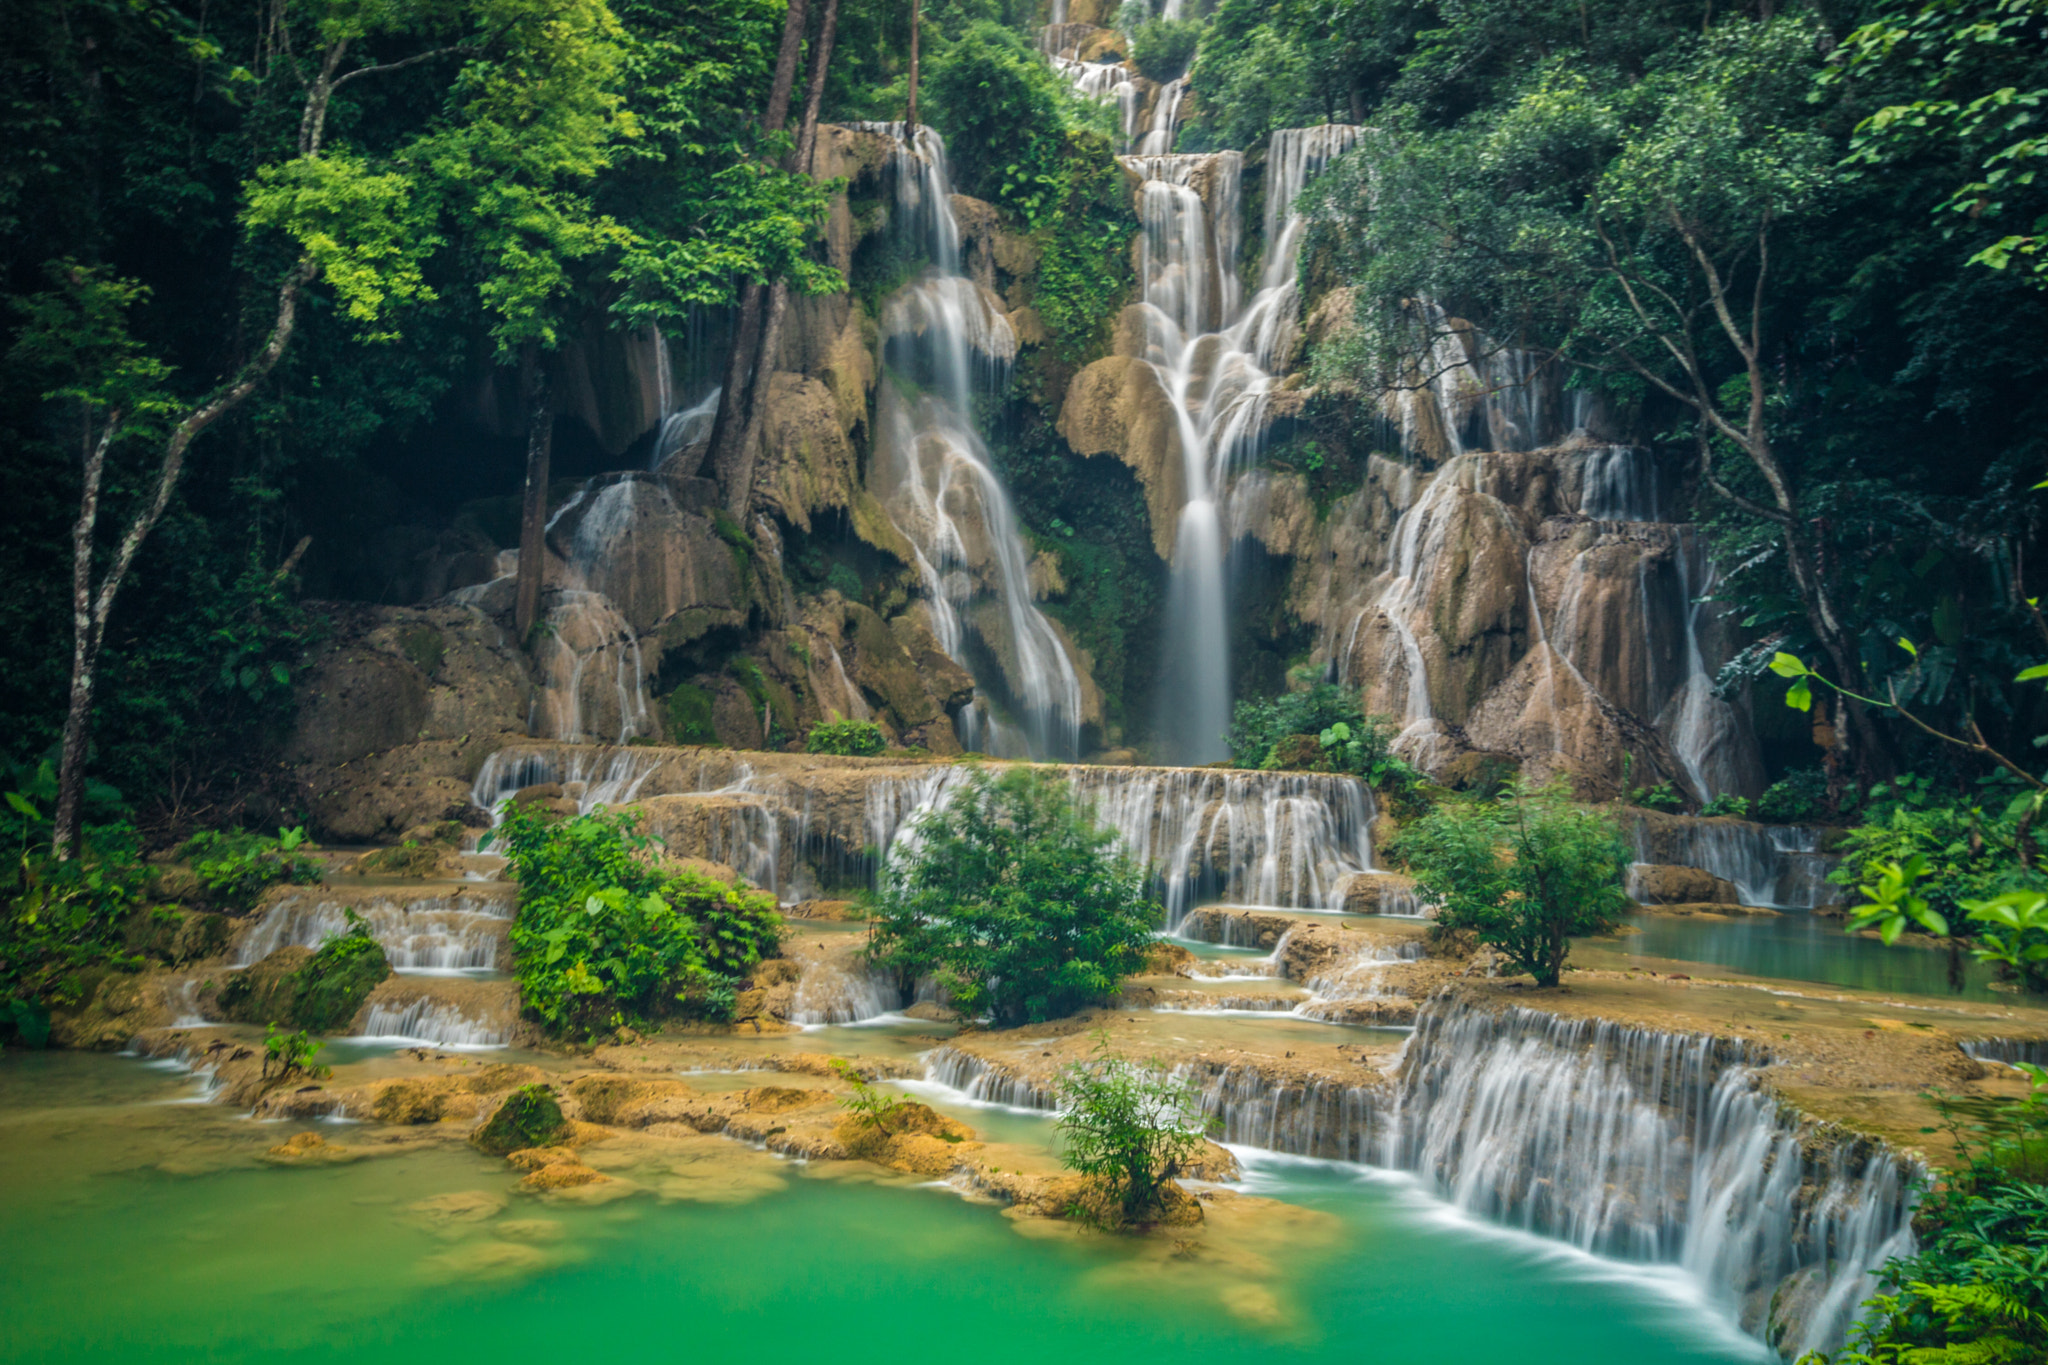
<point x="1793" y="946"/>
<point x="141" y="1229"/>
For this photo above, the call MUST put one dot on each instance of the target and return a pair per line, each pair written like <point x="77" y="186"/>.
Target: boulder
<point x="1117" y="406"/>
<point x="1664" y="884"/>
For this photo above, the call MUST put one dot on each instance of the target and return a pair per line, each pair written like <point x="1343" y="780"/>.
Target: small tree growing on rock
<point x="1130" y="1126"/>
<point x="1525" y="873"/>
<point x="1015" y="900"/>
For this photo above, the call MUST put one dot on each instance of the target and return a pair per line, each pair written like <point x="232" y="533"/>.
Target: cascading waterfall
<point x="1289" y="840"/>
<point x="935" y="478"/>
<point x="834" y="993"/>
<point x="1625" y="1142"/>
<point x="1775" y="866"/>
<point x="1213" y="354"/>
<point x="454" y="932"/>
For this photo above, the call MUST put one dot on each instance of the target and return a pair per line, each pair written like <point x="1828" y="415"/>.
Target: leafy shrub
<point x="1968" y="847"/>
<point x="64" y="918"/>
<point x="1795" y="798"/>
<point x="1662" y="797"/>
<point x="1727" y="803"/>
<point x="604" y="938"/>
<point x="1323" y="729"/>
<point x="1526" y="873"/>
<point x="1974" y="1290"/>
<point x="529" y="1117"/>
<point x="290" y="1054"/>
<point x="689" y="716"/>
<point x="858" y="738"/>
<point x="1012" y="896"/>
<point x="1163" y="48"/>
<point x="235" y="867"/>
<point x="843" y="580"/>
<point x="1129" y="1126"/>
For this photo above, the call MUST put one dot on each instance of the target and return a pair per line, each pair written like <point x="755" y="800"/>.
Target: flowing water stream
<point x="176" y="1245"/>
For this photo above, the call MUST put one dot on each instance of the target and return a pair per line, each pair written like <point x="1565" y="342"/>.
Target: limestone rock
<point x="1117" y="406"/>
<point x="1662" y="884"/>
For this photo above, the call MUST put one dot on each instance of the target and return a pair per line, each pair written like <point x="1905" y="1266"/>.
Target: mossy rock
<point x="301" y="989"/>
<point x="336" y="982"/>
<point x="529" y="1117"/>
<point x="176" y="936"/>
<point x="407" y="1102"/>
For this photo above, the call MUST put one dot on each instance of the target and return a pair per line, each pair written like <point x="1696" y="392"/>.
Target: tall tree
<point x="529" y="108"/>
<point x="739" y="489"/>
<point x="726" y="425"/>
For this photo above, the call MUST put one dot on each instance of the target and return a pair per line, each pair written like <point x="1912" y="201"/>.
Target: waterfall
<point x="1626" y="1142"/>
<point x="1775" y="866"/>
<point x="1213" y="355"/>
<point x="1291" y="840"/>
<point x="834" y="993"/>
<point x="1109" y="82"/>
<point x="945" y="340"/>
<point x="440" y="1013"/>
<point x="1158" y="139"/>
<point x="2007" y="1051"/>
<point x="459" y="931"/>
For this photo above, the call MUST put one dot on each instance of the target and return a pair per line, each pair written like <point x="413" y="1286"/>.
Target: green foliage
<point x="1323" y="728"/>
<point x="286" y="1055"/>
<point x="1663" y="796"/>
<point x="1015" y="900"/>
<point x="1527" y="872"/>
<point x="1974" y="1293"/>
<point x="1970" y="80"/>
<point x="1163" y="48"/>
<point x="689" y="716"/>
<point x="859" y="738"/>
<point x="606" y="939"/>
<point x="1130" y="1126"/>
<point x="1967" y="846"/>
<point x="61" y="919"/>
<point x="338" y="978"/>
<point x="1017" y="135"/>
<point x="237" y="866"/>
<point x="1727" y="803"/>
<point x="1929" y="893"/>
<point x="529" y="1117"/>
<point x="1797" y="797"/>
<point x="873" y="1107"/>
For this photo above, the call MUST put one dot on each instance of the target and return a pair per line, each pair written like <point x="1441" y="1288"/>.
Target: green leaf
<point x="1908" y="646"/>
<point x="1800" y="696"/>
<point x="1788" y="665"/>
<point x="2030" y="674"/>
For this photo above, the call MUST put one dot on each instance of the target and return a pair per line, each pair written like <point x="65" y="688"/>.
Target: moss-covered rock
<point x="299" y="988"/>
<point x="529" y="1117"/>
<point x="176" y="936"/>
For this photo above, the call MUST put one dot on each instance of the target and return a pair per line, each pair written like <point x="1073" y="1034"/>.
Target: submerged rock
<point x="529" y="1117"/>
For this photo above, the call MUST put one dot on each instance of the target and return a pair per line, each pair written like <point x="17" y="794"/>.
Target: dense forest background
<point x="502" y="178"/>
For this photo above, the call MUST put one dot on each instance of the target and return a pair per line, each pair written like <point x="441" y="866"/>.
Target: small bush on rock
<point x="529" y="1117"/>
<point x="1130" y="1126"/>
<point x="606" y="939"/>
<point x="1525" y="873"/>
<point x="235" y="867"/>
<point x="854" y="738"/>
<point x="1015" y="900"/>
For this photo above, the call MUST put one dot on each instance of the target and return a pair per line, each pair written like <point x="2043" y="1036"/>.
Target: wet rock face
<point x="397" y="711"/>
<point x="1664" y="885"/>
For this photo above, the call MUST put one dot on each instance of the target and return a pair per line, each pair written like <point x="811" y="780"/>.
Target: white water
<point x="945" y="340"/>
<point x="1774" y="866"/>
<point x="1282" y="839"/>
<point x="435" y="1023"/>
<point x="1213" y="354"/>
<point x="419" y="933"/>
<point x="1629" y="1143"/>
<point x="833" y="993"/>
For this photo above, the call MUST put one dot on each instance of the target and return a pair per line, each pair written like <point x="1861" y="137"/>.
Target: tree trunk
<point x="533" y="510"/>
<point x="723" y="448"/>
<point x="85" y="642"/>
<point x="739" y="493"/>
<point x="910" y="119"/>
